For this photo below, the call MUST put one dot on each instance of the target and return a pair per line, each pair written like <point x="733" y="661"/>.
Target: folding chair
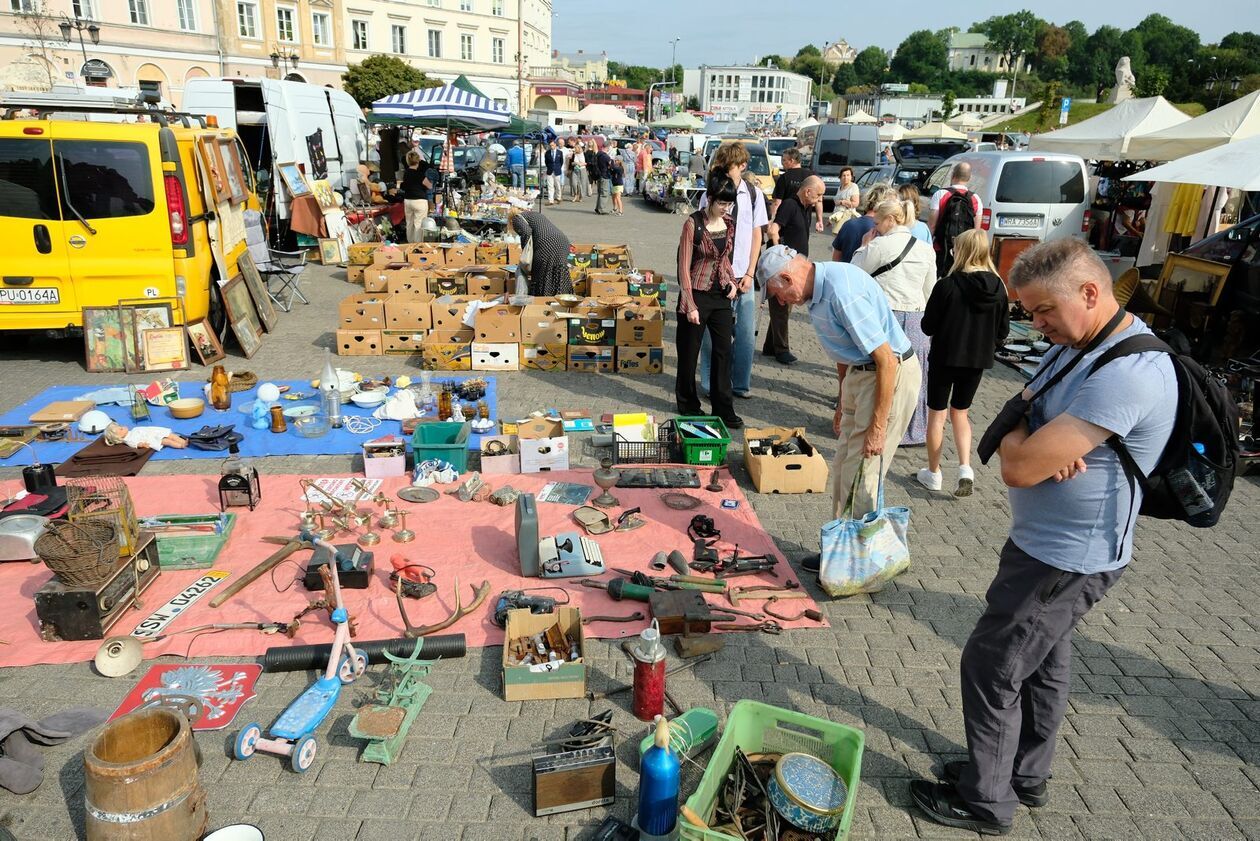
<point x="283" y="267"/>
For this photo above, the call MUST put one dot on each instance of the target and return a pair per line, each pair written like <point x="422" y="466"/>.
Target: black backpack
<point x="1186" y="484"/>
<point x="958" y="215"/>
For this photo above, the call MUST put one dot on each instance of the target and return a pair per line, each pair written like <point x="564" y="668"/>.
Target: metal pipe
<point x="295" y="658"/>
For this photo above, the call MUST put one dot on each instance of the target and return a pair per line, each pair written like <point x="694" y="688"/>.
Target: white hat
<point x="773" y="260"/>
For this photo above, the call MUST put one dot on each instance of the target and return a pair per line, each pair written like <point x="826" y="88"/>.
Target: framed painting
<point x="232" y="170"/>
<point x="1193" y="275"/>
<point x="103" y="340"/>
<point x="258" y="291"/>
<point x="134" y="319"/>
<point x="213" y="160"/>
<point x="165" y="349"/>
<point x="330" y="252"/>
<point x="324" y="194"/>
<point x="294" y="180"/>
<point x="204" y="341"/>
<point x="242" y="316"/>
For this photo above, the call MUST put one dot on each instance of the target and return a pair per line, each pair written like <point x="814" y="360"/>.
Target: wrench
<point x="769" y="627"/>
<point x="736" y="593"/>
<point x="637" y="616"/>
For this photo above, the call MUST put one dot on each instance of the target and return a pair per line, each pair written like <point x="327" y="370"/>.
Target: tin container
<point x="807" y="793"/>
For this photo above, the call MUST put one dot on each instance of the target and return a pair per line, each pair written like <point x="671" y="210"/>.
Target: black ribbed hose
<point x="298" y="657"/>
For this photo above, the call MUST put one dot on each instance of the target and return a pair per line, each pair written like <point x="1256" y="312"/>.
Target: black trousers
<point x="777" y="336"/>
<point x="1016" y="672"/>
<point x="718" y="318"/>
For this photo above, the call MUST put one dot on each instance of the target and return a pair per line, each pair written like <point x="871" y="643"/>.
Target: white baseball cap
<point x="773" y="260"/>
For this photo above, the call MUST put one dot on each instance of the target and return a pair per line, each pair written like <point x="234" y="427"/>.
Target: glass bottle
<point x="330" y="391"/>
<point x="444" y="402"/>
<point x="483" y="410"/>
<point x="220" y="395"/>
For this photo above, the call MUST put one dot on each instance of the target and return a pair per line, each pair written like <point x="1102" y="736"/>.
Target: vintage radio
<point x="576" y="779"/>
<point x="70" y="612"/>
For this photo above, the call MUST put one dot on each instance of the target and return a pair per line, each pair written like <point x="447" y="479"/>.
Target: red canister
<point x="649" y="674"/>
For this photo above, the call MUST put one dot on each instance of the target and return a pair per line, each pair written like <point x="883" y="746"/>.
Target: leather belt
<point x="870" y="366"/>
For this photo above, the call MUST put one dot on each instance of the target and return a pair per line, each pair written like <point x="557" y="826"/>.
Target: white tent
<point x="1106" y="137"/>
<point x="935" y="131"/>
<point x="808" y="122"/>
<point x="1234" y="165"/>
<point x="1230" y="123"/>
<point x="861" y="117"/>
<point x="602" y="115"/>
<point x="892" y="132"/>
<point x="964" y="120"/>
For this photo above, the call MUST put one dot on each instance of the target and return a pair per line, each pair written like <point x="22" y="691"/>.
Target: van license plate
<point x="30" y="295"/>
<point x="1019" y="221"/>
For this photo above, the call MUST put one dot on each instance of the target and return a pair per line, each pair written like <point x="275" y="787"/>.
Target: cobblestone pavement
<point x="1162" y="739"/>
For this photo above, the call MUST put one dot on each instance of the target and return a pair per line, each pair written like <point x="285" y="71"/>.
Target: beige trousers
<point x="416" y="210"/>
<point x="857" y="404"/>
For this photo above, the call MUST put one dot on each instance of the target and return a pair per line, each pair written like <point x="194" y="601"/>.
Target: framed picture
<point x="324" y="194"/>
<point x="1191" y="275"/>
<point x="204" y="341"/>
<point x="258" y="291"/>
<point x="242" y="316"/>
<point x="213" y="160"/>
<point x="330" y="252"/>
<point x="165" y="349"/>
<point x="294" y="180"/>
<point x="232" y="170"/>
<point x="134" y="319"/>
<point x="103" y="340"/>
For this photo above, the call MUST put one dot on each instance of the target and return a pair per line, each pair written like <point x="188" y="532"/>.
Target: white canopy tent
<point x="934" y="131"/>
<point x="1234" y="165"/>
<point x="892" y="132"/>
<point x="808" y="122"/>
<point x="964" y="120"/>
<point x="1230" y="123"/>
<point x="602" y="115"/>
<point x="860" y="117"/>
<point x="1106" y="137"/>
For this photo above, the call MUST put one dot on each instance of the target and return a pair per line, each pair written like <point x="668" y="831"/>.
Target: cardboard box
<point x="549" y="357"/>
<point x="376" y="277"/>
<point x="409" y="311"/>
<point x="383" y="255"/>
<point x="599" y="330"/>
<point x="361" y="253"/>
<point x="449" y="314"/>
<point x="496" y="356"/>
<point x="500" y="323"/>
<point x="636" y="359"/>
<point x="536" y="683"/>
<point x="402" y="342"/>
<point x="507" y="462"/>
<point x="362" y="312"/>
<point x="806" y="473"/>
<point x="447" y="284"/>
<point x="619" y="253"/>
<point x="544" y="455"/>
<point x="607" y="288"/>
<point x="359" y="343"/>
<point x="540" y="325"/>
<point x="354" y="274"/>
<point x="427" y="256"/>
<point x="641" y="325"/>
<point x="441" y="354"/>
<point x="460" y="255"/>
<point x="537" y="428"/>
<point x="462" y="336"/>
<point x="591" y="359"/>
<point x="384" y="458"/>
<point x="491" y="281"/>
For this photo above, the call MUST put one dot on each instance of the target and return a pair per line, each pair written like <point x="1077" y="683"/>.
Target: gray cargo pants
<point x="1016" y="672"/>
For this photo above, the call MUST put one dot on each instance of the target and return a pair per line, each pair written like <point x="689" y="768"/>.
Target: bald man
<point x="791" y="226"/>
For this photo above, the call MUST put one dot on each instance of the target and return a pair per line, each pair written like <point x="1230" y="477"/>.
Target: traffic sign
<point x="1064" y="109"/>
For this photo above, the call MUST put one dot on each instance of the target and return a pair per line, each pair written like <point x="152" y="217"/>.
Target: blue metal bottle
<point x="658" y="785"/>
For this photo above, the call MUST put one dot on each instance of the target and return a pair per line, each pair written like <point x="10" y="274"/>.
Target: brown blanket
<point x="100" y="459"/>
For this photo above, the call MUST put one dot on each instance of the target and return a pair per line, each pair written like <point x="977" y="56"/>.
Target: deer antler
<point x="480" y="594"/>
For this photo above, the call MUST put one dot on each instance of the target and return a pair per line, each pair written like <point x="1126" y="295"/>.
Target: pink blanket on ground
<point x="472" y="540"/>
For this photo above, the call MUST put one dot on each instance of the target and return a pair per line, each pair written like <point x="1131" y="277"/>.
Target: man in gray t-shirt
<point x="1073" y="513"/>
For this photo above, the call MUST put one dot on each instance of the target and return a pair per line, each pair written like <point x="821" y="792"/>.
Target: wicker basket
<point x="82" y="554"/>
<point x="241" y="381"/>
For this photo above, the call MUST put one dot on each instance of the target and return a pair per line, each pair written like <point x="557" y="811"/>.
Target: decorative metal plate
<point x="680" y="502"/>
<point x="418" y="494"/>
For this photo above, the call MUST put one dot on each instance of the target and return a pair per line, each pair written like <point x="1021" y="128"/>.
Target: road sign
<point x="1064" y="109"/>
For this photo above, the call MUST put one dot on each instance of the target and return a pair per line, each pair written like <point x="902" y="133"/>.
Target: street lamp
<point x="673" y="52"/>
<point x="1217" y="83"/>
<point x="79" y="25"/>
<point x="278" y="58"/>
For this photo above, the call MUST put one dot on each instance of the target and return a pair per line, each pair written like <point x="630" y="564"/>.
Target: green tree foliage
<point x="1244" y="42"/>
<point x="808" y="49"/>
<point x="869" y="65"/>
<point x="917" y="88"/>
<point x="947" y="105"/>
<point x="1048" y="113"/>
<point x="383" y="75"/>
<point x="922" y="57"/>
<point x="844" y="78"/>
<point x="1152" y="82"/>
<point x="1050" y="59"/>
<point x="636" y="75"/>
<point x="810" y="65"/>
<point x="1011" y="35"/>
<point x="775" y="59"/>
<point x="1103" y="49"/>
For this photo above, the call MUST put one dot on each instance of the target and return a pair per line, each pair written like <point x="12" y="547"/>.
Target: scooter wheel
<point x="351" y="669"/>
<point x="247" y="741"/>
<point x="303" y="756"/>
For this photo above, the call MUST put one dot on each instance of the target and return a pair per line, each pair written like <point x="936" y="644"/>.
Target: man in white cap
<point x="879" y="376"/>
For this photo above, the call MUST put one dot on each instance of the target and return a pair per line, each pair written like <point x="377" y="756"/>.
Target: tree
<point x="811" y="66"/>
<point x="636" y="75"/>
<point x="1078" y="52"/>
<point x="844" y="78"/>
<point x="1051" y="56"/>
<point x="775" y="59"/>
<point x="808" y="49"/>
<point x="922" y="57"/>
<point x="1050" y="105"/>
<point x="917" y="88"/>
<point x="947" y="105"/>
<point x="383" y="75"/>
<point x="1243" y="42"/>
<point x="40" y="28"/>
<point x="1166" y="46"/>
<point x="1152" y="82"/>
<point x="1103" y="49"/>
<point x="869" y="65"/>
<point x="1010" y="36"/>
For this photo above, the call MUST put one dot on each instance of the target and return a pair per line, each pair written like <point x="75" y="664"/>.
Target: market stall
<point x="1107" y="136"/>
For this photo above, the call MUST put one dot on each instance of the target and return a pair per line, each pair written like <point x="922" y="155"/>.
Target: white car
<point x="775" y="147"/>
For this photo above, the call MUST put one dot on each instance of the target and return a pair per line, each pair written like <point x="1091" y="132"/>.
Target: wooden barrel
<point x="142" y="780"/>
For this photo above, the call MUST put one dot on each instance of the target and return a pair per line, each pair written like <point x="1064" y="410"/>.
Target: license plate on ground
<point x="1019" y="221"/>
<point x="30" y="295"/>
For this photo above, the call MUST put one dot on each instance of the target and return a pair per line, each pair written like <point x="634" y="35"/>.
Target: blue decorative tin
<point x="807" y="792"/>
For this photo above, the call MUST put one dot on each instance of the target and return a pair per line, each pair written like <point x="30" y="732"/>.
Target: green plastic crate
<point x="703" y="451"/>
<point x="760" y="728"/>
<point x="445" y="440"/>
<point x="191" y="551"/>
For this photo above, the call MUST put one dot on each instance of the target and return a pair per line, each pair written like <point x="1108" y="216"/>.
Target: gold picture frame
<point x="213" y="161"/>
<point x="1181" y="271"/>
<point x="293" y="179"/>
<point x="242" y="315"/>
<point x="232" y="170"/>
<point x="165" y="349"/>
<point x="330" y="251"/>
<point x="258" y="291"/>
<point x="204" y="341"/>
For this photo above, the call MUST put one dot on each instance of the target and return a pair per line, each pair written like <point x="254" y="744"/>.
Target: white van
<point x="276" y="120"/>
<point x="1044" y="195"/>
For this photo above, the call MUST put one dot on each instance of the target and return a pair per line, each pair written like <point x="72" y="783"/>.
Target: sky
<point x="639" y="32"/>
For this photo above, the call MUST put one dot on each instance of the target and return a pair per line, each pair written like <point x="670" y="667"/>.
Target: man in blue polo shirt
<point x="879" y="376"/>
<point x="516" y="164"/>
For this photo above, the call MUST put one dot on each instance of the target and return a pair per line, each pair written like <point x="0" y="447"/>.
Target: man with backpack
<point x="950" y="212"/>
<point x="1073" y="508"/>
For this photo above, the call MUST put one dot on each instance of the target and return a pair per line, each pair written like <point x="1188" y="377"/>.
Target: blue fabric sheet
<point x="258" y="442"/>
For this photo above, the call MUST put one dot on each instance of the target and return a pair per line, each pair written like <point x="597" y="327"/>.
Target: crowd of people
<point x="579" y="169"/>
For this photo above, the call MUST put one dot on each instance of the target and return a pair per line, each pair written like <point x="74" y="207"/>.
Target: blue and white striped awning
<point x="435" y="106"/>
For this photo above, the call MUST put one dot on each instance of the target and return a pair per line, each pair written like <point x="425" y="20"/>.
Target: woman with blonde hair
<point x="905" y="268"/>
<point x="968" y="314"/>
<point x="415" y="190"/>
<point x="909" y="195"/>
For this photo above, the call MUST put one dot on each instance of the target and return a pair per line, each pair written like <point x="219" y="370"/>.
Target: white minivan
<point x="1044" y="195"/>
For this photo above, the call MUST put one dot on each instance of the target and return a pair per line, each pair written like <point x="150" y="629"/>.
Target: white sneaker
<point x="966" y="479"/>
<point x="928" y="479"/>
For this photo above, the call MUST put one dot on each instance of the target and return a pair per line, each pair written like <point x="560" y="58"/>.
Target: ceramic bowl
<point x="368" y="399"/>
<point x="303" y="411"/>
<point x="1041" y="347"/>
<point x="1017" y="348"/>
<point x="186" y="407"/>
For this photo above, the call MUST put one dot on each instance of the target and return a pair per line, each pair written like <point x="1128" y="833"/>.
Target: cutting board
<point x="10" y="445"/>
<point x="63" y="411"/>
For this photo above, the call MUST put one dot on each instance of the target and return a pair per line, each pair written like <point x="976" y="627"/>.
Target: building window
<point x="437" y="4"/>
<point x="187" y="11"/>
<point x="321" y="29"/>
<point x="465" y="5"/>
<point x="501" y="103"/>
<point x="398" y="39"/>
<point x="26" y="6"/>
<point x="496" y="50"/>
<point x="359" y="31"/>
<point x="284" y="26"/>
<point x="139" y="10"/>
<point x="496" y="8"/>
<point x="247" y="19"/>
<point x="435" y="43"/>
<point x="82" y="8"/>
<point x="465" y="47"/>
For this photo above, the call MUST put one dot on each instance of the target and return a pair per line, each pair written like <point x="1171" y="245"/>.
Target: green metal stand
<point x="385" y="724"/>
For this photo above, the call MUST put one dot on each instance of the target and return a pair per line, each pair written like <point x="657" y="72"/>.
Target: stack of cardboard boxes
<point x="415" y="299"/>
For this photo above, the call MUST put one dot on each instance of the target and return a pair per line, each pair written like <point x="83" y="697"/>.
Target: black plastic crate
<point x="664" y="450"/>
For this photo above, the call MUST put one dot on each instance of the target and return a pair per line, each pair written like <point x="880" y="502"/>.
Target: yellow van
<point x="99" y="209"/>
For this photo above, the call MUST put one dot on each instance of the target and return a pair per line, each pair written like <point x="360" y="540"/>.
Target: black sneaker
<point x="733" y="422"/>
<point x="1033" y="797"/>
<point x="785" y="358"/>
<point x="812" y="563"/>
<point x="941" y="803"/>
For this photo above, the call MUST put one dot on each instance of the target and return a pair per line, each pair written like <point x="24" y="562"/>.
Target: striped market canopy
<point x="440" y="108"/>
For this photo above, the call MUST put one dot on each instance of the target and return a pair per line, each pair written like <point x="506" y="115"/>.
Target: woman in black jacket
<point x="967" y="316"/>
